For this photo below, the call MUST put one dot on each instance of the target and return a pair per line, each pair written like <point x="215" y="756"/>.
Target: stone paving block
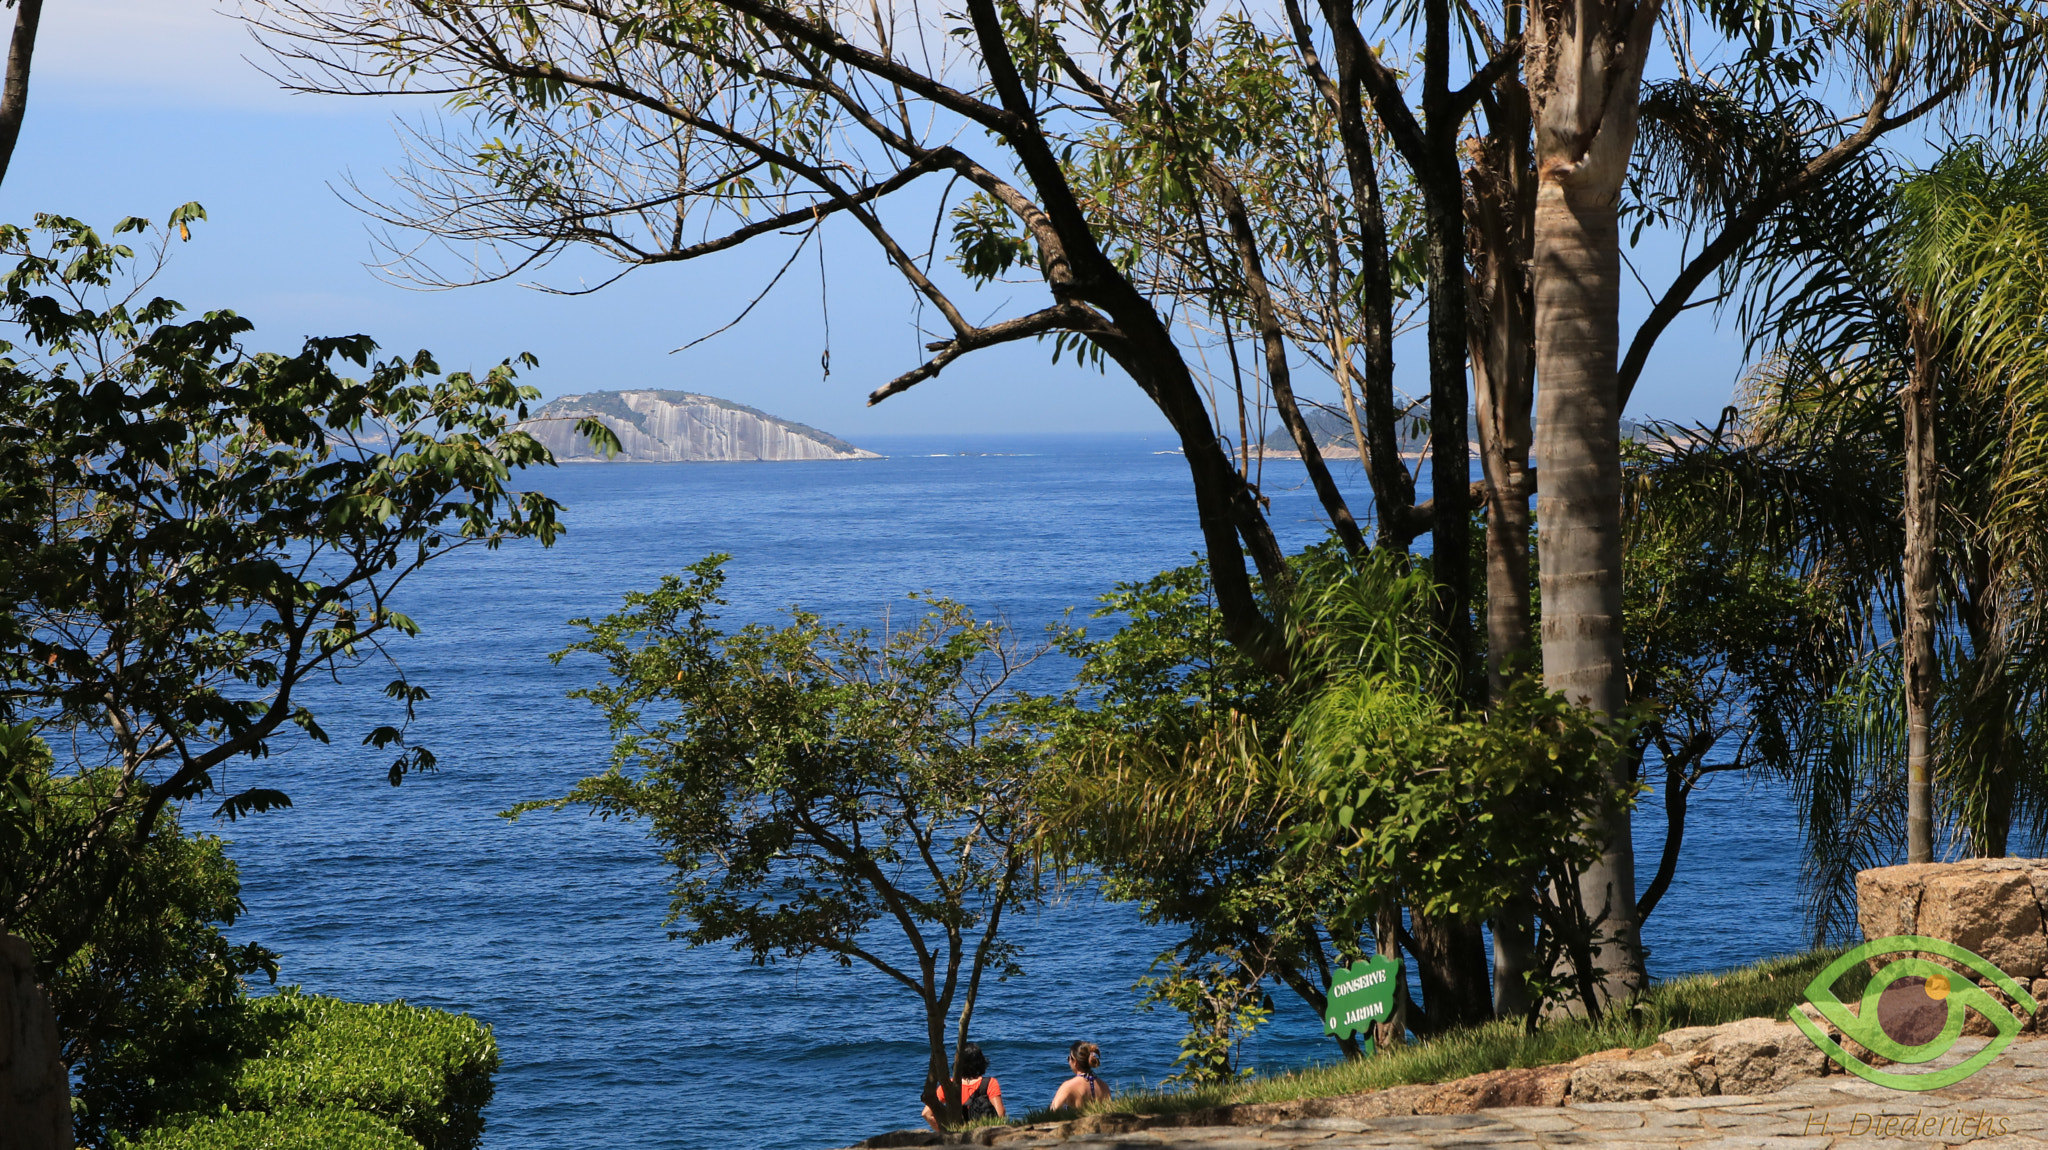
<point x="1350" y="1125"/>
<point x="1591" y="1119"/>
<point x="1668" y="1120"/>
<point x="1851" y="1088"/>
<point x="1741" y="1123"/>
<point x="1766" y="1142"/>
<point x="1682" y="1104"/>
<point x="1545" y="1123"/>
<point x="1788" y="1142"/>
<point x="1432" y="1123"/>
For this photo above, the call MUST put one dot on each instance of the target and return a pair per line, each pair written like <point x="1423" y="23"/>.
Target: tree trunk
<point x="1393" y="1033"/>
<point x="1499" y="210"/>
<point x="1584" y="68"/>
<point x="1379" y="451"/>
<point x="1451" y="964"/>
<point x="1498" y="230"/>
<point x="1450" y="468"/>
<point x="1922" y="505"/>
<point x="35" y="1086"/>
<point x="21" y="50"/>
<point x="1578" y="431"/>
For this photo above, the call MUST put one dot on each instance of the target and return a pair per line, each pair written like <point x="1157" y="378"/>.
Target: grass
<point x="1764" y="989"/>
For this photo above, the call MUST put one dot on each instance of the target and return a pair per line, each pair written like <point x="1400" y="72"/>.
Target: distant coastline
<point x="659" y="426"/>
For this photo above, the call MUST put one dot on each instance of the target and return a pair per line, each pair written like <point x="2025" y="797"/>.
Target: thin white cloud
<point x="156" y="53"/>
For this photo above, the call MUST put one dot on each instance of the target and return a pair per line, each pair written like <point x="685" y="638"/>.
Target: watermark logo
<point x="1913" y="1010"/>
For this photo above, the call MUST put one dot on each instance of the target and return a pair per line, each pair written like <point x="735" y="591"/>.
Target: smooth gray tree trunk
<point x="35" y="1086"/>
<point x="1584" y="71"/>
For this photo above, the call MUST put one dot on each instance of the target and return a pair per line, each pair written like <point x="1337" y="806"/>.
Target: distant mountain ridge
<point x="659" y="426"/>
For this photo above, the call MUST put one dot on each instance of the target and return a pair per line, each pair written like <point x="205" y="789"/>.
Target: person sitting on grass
<point x="1083" y="1087"/>
<point x="984" y="1095"/>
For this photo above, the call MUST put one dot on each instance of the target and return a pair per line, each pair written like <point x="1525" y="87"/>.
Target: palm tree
<point x="1972" y="268"/>
<point x="1912" y="324"/>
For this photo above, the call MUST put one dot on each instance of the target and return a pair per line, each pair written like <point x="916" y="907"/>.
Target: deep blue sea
<point x="551" y="929"/>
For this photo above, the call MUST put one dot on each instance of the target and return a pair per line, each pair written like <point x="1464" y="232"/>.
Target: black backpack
<point x="978" y="1106"/>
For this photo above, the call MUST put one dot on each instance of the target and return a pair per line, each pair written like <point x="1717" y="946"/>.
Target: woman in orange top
<point x="1083" y="1087"/>
<point x="973" y="1065"/>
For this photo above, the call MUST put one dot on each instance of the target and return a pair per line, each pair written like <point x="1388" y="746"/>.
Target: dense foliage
<point x="191" y="530"/>
<point x="1284" y="824"/>
<point x="425" y="1073"/>
<point x="297" y="1130"/>
<point x="144" y="982"/>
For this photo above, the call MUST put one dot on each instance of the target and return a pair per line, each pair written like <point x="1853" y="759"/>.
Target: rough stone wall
<point x="691" y="431"/>
<point x="35" y="1090"/>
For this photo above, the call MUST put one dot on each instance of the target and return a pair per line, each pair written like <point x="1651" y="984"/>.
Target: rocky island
<point x="681" y="427"/>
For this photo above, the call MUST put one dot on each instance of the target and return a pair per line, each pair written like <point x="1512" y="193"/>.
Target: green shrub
<point x="427" y="1072"/>
<point x="305" y="1130"/>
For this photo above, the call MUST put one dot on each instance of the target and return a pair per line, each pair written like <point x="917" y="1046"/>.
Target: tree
<point x="1215" y="796"/>
<point x="1059" y="95"/>
<point x="630" y="127"/>
<point x="1894" y="434"/>
<point x="1162" y="165"/>
<point x="190" y="531"/>
<point x="806" y="783"/>
<point x="1462" y="816"/>
<point x="143" y="981"/>
<point x="1585" y="67"/>
<point x="1974" y="280"/>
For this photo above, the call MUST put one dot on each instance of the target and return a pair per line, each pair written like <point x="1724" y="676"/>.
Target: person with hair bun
<point x="1083" y="1087"/>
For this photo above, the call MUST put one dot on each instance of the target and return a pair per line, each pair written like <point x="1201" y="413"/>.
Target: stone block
<point x="1635" y="1080"/>
<point x="1531" y="1086"/>
<point x="1760" y="1056"/>
<point x="1991" y="907"/>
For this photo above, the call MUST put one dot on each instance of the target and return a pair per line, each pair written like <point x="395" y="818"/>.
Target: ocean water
<point x="551" y="929"/>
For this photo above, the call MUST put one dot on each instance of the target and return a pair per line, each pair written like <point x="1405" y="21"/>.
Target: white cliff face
<point x="679" y="427"/>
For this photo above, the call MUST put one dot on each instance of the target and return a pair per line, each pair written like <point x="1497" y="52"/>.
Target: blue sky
<point x="140" y="105"/>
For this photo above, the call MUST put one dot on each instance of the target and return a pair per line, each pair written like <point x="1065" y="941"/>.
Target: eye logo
<point x="1913" y="1011"/>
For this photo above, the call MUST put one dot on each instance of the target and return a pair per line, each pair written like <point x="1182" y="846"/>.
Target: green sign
<point x="1913" y="1010"/>
<point x="1360" y="995"/>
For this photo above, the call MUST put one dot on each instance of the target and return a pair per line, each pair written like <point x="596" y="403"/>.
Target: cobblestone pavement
<point x="2003" y="1107"/>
